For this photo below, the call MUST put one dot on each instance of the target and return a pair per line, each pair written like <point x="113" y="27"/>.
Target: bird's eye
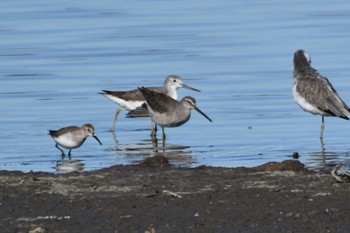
<point x="174" y="80"/>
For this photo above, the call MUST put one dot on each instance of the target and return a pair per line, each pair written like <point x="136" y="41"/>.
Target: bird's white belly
<point x="129" y="105"/>
<point x="68" y="141"/>
<point x="306" y="106"/>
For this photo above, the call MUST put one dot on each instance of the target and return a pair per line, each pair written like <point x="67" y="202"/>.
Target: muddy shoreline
<point x="153" y="197"/>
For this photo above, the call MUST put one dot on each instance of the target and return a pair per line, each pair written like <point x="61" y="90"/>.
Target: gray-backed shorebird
<point x="130" y="100"/>
<point x="314" y="93"/>
<point x="167" y="112"/>
<point x="72" y="137"/>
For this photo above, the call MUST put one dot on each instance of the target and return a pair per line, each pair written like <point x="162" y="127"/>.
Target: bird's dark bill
<point x="197" y="109"/>
<point x="97" y="140"/>
<point x="190" y="88"/>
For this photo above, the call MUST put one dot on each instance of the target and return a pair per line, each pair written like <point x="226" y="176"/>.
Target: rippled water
<point x="57" y="55"/>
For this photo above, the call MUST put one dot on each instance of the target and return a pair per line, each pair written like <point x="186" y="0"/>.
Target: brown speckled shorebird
<point x="72" y="137"/>
<point x="314" y="93"/>
<point x="167" y="112"/>
<point x="131" y="100"/>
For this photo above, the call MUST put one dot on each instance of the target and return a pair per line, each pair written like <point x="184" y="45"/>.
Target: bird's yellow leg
<point x="322" y="128"/>
<point x="164" y="136"/>
<point x="115" y="118"/>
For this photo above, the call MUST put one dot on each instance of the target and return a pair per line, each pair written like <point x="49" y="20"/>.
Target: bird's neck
<point x="172" y="93"/>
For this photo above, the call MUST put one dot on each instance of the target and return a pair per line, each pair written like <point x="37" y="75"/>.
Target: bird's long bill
<point x="197" y="109"/>
<point x="190" y="88"/>
<point x="97" y="139"/>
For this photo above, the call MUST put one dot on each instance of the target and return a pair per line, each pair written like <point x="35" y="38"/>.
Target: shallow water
<point x="56" y="56"/>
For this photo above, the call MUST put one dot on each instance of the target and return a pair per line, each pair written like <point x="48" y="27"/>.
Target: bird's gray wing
<point x="158" y="102"/>
<point x="138" y="112"/>
<point x="318" y="91"/>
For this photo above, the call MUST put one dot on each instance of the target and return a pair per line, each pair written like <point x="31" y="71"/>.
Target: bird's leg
<point x="153" y="130"/>
<point x="115" y="137"/>
<point x="69" y="155"/>
<point x="115" y="118"/>
<point x="321" y="139"/>
<point x="62" y="155"/>
<point x="322" y="128"/>
<point x="163" y="135"/>
<point x="163" y="145"/>
<point x="155" y="144"/>
<point x="323" y="149"/>
<point x="154" y="136"/>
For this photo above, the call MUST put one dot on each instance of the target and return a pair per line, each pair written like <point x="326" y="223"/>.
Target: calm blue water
<point x="57" y="55"/>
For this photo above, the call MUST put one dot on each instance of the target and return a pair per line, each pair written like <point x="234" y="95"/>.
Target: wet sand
<point x="153" y="197"/>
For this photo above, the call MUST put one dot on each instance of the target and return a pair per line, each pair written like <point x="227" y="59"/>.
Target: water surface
<point x="57" y="55"/>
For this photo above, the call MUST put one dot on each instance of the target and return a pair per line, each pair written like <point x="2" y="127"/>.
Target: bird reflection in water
<point x="68" y="166"/>
<point x="176" y="154"/>
<point x="324" y="160"/>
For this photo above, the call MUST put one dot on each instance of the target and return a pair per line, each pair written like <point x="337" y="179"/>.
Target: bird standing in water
<point x="131" y="100"/>
<point x="72" y="137"/>
<point x="314" y="93"/>
<point x="167" y="112"/>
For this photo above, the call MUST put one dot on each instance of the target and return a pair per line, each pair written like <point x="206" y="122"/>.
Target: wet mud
<point x="155" y="197"/>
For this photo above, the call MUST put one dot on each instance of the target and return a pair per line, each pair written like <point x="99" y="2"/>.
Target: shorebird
<point x="167" y="112"/>
<point x="314" y="93"/>
<point x="130" y="100"/>
<point x="72" y="137"/>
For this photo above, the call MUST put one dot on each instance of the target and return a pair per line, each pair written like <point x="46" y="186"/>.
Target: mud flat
<point x="153" y="197"/>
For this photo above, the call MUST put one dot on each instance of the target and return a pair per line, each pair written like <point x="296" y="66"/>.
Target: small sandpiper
<point x="72" y="137"/>
<point x="167" y="112"/>
<point x="130" y="100"/>
<point x="314" y="93"/>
